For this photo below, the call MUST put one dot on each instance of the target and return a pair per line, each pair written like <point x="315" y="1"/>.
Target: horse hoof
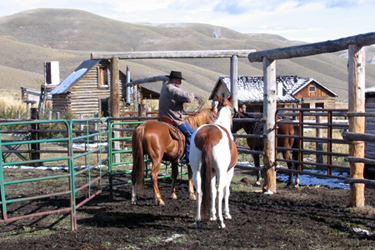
<point x="221" y="226"/>
<point x="227" y="217"/>
<point x="159" y="203"/>
<point x="213" y="218"/>
<point x="193" y="197"/>
<point x="268" y="192"/>
<point x="257" y="183"/>
<point x="174" y="197"/>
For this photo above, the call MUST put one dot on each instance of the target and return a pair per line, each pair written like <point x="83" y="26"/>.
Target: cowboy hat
<point x="175" y="74"/>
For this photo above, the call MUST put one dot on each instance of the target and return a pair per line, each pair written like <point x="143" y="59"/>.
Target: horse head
<point x="225" y="112"/>
<point x="237" y="125"/>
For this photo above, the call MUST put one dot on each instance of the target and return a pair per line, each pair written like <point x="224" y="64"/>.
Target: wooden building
<point x="370" y="129"/>
<point x="86" y="90"/>
<point x="291" y="91"/>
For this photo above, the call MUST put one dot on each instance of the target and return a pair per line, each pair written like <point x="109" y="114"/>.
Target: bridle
<point x="231" y="110"/>
<point x="213" y="117"/>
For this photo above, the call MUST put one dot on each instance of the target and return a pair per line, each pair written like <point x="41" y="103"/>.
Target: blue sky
<point x="302" y="20"/>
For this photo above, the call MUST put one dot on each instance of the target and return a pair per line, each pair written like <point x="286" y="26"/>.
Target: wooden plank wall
<point x="84" y="97"/>
<point x="370" y="126"/>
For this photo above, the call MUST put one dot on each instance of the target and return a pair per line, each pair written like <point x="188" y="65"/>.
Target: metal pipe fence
<point x="86" y="150"/>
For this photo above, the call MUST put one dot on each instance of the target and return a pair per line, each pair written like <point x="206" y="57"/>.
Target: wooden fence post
<point x="142" y="109"/>
<point x="269" y="103"/>
<point x="356" y="68"/>
<point x="35" y="147"/>
<point x="115" y="101"/>
<point x="234" y="80"/>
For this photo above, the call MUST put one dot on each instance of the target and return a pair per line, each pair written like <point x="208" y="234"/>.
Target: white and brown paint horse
<point x="213" y="155"/>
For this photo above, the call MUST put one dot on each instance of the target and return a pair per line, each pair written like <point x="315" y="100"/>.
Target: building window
<point x="312" y="88"/>
<point x="103" y="77"/>
<point x="104" y="107"/>
<point x="319" y="105"/>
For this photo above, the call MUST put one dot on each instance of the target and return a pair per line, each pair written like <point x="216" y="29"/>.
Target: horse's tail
<point x="206" y="173"/>
<point x="138" y="157"/>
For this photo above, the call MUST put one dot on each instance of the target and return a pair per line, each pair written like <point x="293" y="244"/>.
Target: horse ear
<point x="214" y="107"/>
<point x="230" y="98"/>
<point x="218" y="97"/>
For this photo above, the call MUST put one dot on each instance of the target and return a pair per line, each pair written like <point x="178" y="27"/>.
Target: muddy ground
<point x="303" y="218"/>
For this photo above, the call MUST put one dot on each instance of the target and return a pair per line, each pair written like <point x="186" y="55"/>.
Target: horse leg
<point x="154" y="177"/>
<point x="191" y="184"/>
<point x="134" y="195"/>
<point x="296" y="166"/>
<point x="198" y="187"/>
<point x="230" y="174"/>
<point x="221" y="180"/>
<point x="174" y="178"/>
<point x="213" y="199"/>
<point x="286" y="156"/>
<point x="257" y="164"/>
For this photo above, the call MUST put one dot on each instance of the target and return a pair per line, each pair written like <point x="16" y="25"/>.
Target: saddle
<point x="175" y="133"/>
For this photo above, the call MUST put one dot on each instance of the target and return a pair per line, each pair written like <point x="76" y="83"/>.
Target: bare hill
<point x="29" y="38"/>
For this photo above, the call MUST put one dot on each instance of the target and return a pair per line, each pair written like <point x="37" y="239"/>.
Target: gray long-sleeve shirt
<point x="171" y="102"/>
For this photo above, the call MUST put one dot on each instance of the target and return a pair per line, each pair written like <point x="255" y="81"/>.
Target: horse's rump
<point x="206" y="138"/>
<point x="138" y="156"/>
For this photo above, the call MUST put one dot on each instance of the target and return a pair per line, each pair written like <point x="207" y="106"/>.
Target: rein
<point x="210" y="116"/>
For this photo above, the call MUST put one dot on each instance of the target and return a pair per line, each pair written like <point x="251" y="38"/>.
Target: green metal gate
<point x="87" y="150"/>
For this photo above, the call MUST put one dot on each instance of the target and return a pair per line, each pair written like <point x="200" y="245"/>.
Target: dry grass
<point x="10" y="104"/>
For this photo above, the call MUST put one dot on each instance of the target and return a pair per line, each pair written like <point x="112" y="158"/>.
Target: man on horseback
<point x="171" y="101"/>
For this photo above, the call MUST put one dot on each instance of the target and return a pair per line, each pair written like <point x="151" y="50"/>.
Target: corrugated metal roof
<point x="74" y="77"/>
<point x="250" y="88"/>
<point x="293" y="84"/>
<point x="370" y="89"/>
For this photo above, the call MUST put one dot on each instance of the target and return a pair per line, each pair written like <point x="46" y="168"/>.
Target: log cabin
<point x="86" y="90"/>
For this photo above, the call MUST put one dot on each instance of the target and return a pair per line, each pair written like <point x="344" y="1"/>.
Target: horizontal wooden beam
<point x="172" y="54"/>
<point x="352" y="136"/>
<point x="313" y="48"/>
<point x="148" y="79"/>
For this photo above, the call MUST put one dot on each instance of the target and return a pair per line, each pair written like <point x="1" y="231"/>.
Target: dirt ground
<point x="303" y="218"/>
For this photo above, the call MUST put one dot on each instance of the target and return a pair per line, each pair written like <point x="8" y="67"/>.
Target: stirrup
<point x="184" y="160"/>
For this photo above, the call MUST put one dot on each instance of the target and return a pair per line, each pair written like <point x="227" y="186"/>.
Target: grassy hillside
<point x="29" y="38"/>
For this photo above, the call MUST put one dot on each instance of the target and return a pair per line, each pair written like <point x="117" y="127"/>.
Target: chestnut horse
<point x="256" y="127"/>
<point x="213" y="155"/>
<point x="158" y="140"/>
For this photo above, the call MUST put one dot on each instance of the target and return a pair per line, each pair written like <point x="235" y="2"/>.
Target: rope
<point x="198" y="109"/>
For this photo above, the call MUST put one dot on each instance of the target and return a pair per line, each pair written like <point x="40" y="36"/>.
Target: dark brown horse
<point x="256" y="127"/>
<point x="159" y="141"/>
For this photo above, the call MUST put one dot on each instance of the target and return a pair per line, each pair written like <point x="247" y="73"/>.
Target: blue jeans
<point x="188" y="132"/>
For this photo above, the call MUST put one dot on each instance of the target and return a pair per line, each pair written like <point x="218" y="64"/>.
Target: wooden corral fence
<point x="319" y="143"/>
<point x="321" y="130"/>
<point x="356" y="78"/>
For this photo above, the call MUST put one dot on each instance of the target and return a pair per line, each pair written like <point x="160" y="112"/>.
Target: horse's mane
<point x="195" y="120"/>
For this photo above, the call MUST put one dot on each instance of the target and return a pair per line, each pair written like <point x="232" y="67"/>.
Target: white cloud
<point x="304" y="20"/>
